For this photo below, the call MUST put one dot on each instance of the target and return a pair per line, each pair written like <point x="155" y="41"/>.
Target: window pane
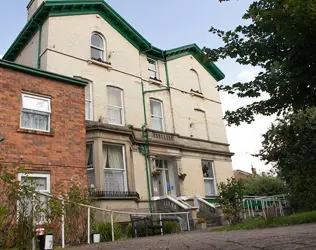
<point x="207" y="167"/>
<point x="39" y="182"/>
<point x="35" y="104"/>
<point x="115" y="115"/>
<point x="91" y="178"/>
<point x="209" y="187"/>
<point x="114" y="96"/>
<point x="113" y="180"/>
<point x="88" y="92"/>
<point x="97" y="54"/>
<point x="89" y="155"/>
<point x="97" y="41"/>
<point x="113" y="156"/>
<point x="156" y="123"/>
<point x="88" y="110"/>
<point x="34" y="121"/>
<point x="155" y="108"/>
<point x="152" y="74"/>
<point x="152" y="65"/>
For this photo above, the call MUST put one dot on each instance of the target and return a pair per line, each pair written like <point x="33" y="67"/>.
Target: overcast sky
<point x="168" y="24"/>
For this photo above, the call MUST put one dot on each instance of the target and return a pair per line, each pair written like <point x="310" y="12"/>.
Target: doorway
<point x="166" y="184"/>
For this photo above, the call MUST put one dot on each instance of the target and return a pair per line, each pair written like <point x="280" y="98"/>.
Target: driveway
<point x="294" y="237"/>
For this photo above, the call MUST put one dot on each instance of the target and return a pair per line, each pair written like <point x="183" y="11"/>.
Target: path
<point x="294" y="237"/>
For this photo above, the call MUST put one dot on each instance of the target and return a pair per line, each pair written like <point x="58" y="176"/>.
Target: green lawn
<point x="294" y="219"/>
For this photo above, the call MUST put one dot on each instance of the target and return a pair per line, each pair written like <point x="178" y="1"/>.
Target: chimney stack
<point x="253" y="170"/>
<point x="32" y="7"/>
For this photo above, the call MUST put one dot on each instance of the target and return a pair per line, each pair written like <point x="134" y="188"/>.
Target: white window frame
<point x="125" y="188"/>
<point x="156" y="65"/>
<point x="162" y="113"/>
<point x="35" y="111"/>
<point x="209" y="178"/>
<point x="37" y="175"/>
<point x="117" y="107"/>
<point x="98" y="48"/>
<point x="90" y="101"/>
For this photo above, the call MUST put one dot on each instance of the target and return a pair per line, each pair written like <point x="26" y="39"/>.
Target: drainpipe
<point x="39" y="45"/>
<point x="144" y="150"/>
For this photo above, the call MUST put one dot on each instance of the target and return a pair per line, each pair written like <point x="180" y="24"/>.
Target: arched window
<point x="97" y="47"/>
<point x="196" y="80"/>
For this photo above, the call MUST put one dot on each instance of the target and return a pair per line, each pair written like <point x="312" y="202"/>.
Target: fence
<point x="102" y="214"/>
<point x="257" y="205"/>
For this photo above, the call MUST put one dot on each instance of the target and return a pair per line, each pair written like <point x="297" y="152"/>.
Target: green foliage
<point x="290" y="145"/>
<point x="105" y="230"/>
<point x="264" y="185"/>
<point x="170" y="227"/>
<point x="20" y="207"/>
<point x="129" y="231"/>
<point x="280" y="39"/>
<point x="231" y="194"/>
<point x="295" y="219"/>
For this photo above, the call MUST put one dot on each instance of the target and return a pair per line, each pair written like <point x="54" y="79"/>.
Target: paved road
<point x="294" y="237"/>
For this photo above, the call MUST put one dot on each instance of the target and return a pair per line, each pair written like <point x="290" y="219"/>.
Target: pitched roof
<point x="237" y="171"/>
<point x="41" y="73"/>
<point x="50" y="8"/>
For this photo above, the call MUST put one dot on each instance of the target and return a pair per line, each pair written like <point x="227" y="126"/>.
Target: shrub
<point x="105" y="230"/>
<point x="170" y="227"/>
<point x="129" y="231"/>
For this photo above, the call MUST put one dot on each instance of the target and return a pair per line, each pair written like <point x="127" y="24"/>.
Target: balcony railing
<point x="114" y="194"/>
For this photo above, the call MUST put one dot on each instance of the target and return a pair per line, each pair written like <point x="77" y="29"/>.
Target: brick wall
<point x="60" y="152"/>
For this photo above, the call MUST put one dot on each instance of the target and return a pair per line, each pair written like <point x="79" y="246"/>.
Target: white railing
<point x="198" y="201"/>
<point x="112" y="213"/>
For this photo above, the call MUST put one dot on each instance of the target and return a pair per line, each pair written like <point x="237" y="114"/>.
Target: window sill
<point x="36" y="132"/>
<point x="193" y="93"/>
<point x="100" y="63"/>
<point x="155" y="81"/>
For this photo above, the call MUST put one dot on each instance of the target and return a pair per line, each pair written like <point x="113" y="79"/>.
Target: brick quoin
<point x="61" y="152"/>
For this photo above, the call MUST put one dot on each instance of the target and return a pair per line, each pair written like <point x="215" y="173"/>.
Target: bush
<point x="170" y="227"/>
<point x="295" y="219"/>
<point x="129" y="231"/>
<point x="105" y="230"/>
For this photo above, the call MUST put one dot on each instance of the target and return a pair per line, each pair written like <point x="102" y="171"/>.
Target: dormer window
<point x="97" y="47"/>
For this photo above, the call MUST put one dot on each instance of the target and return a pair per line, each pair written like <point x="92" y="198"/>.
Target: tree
<point x="264" y="185"/>
<point x="280" y="39"/>
<point x="231" y="195"/>
<point x="290" y="145"/>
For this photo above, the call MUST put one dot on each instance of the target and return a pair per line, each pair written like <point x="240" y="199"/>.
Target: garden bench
<point x="143" y="225"/>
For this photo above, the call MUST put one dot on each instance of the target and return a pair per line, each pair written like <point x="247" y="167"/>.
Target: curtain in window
<point x="156" y="115"/>
<point x="209" y="187"/>
<point x="115" y="105"/>
<point x="89" y="161"/>
<point x="114" y="172"/>
<point x="34" y="121"/>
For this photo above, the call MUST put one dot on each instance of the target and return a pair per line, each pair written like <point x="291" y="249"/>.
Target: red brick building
<point x="42" y="118"/>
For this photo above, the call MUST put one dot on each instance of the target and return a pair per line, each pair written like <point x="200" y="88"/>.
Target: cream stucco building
<point x="152" y="115"/>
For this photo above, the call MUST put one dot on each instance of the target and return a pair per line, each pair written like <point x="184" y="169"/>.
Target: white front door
<point x="166" y="179"/>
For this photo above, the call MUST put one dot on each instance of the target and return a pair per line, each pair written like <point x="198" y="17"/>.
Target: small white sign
<point x="48" y="242"/>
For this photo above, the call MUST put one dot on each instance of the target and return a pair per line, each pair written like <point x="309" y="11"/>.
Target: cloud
<point x="247" y="75"/>
<point x="246" y="139"/>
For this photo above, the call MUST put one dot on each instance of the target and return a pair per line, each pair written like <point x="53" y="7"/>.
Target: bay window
<point x="114" y="167"/>
<point x="89" y="161"/>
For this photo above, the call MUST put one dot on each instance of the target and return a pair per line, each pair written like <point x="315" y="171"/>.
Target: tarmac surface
<point x="292" y="237"/>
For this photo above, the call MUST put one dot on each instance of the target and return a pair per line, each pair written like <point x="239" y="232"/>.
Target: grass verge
<point x="295" y="219"/>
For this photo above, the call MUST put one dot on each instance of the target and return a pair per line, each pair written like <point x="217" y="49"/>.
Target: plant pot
<point x="95" y="238"/>
<point x="182" y="177"/>
<point x="200" y="226"/>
